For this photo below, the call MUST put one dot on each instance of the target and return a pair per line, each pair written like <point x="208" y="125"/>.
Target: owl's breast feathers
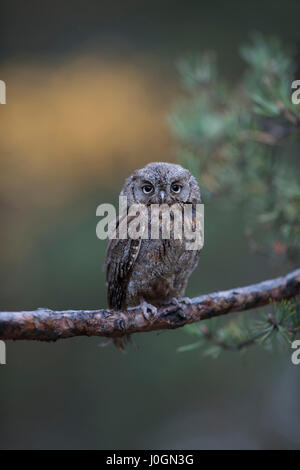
<point x="155" y="270"/>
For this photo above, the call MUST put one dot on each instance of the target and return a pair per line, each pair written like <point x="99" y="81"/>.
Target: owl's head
<point x="161" y="183"/>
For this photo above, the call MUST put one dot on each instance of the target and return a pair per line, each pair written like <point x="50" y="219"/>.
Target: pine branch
<point x="230" y="347"/>
<point x="267" y="330"/>
<point x="48" y="325"/>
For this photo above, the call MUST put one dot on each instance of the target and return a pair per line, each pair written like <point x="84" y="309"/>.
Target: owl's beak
<point x="162" y="196"/>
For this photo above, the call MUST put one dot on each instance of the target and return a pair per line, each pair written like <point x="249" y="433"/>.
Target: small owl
<point x="148" y="273"/>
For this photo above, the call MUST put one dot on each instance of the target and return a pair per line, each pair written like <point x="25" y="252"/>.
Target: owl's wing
<point x="120" y="258"/>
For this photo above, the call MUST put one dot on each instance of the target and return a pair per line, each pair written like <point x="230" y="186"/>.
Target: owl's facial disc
<point x="161" y="183"/>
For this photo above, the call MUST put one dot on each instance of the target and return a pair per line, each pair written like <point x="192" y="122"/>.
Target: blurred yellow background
<point x="78" y="121"/>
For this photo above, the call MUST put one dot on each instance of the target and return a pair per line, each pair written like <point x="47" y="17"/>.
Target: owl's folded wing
<point x="120" y="257"/>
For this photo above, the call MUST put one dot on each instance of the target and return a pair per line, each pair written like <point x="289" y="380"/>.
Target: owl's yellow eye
<point x="147" y="189"/>
<point x="176" y="188"/>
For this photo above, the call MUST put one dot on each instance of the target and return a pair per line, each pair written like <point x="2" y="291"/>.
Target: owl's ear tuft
<point x="195" y="189"/>
<point x="134" y="175"/>
<point x="128" y="183"/>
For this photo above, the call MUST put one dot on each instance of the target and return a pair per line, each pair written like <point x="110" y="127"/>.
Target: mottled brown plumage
<point x="146" y="272"/>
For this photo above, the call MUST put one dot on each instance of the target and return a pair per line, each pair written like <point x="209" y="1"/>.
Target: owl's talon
<point x="145" y="313"/>
<point x="185" y="300"/>
<point x="145" y="307"/>
<point x="177" y="301"/>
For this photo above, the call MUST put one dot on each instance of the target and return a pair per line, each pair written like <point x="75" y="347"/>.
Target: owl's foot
<point x="185" y="300"/>
<point x="172" y="301"/>
<point x="144" y="306"/>
<point x="176" y="302"/>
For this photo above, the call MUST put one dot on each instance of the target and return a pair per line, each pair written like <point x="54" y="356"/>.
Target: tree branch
<point x="48" y="325"/>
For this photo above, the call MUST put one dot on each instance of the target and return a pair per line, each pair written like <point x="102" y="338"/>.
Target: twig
<point x="230" y="347"/>
<point x="48" y="325"/>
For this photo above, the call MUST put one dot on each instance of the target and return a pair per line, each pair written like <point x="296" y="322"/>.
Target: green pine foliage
<point x="243" y="140"/>
<point x="276" y="328"/>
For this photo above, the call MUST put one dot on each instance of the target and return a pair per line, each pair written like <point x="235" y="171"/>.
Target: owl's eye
<point x="147" y="189"/>
<point x="176" y="188"/>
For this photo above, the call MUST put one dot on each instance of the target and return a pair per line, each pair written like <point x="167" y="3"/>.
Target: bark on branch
<point x="49" y="325"/>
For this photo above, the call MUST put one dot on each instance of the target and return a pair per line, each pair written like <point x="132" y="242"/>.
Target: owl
<point x="147" y="273"/>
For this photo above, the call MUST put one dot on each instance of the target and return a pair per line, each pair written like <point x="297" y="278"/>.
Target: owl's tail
<point x="120" y="342"/>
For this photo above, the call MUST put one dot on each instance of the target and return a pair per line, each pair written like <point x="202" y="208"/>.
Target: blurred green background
<point x="89" y="87"/>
